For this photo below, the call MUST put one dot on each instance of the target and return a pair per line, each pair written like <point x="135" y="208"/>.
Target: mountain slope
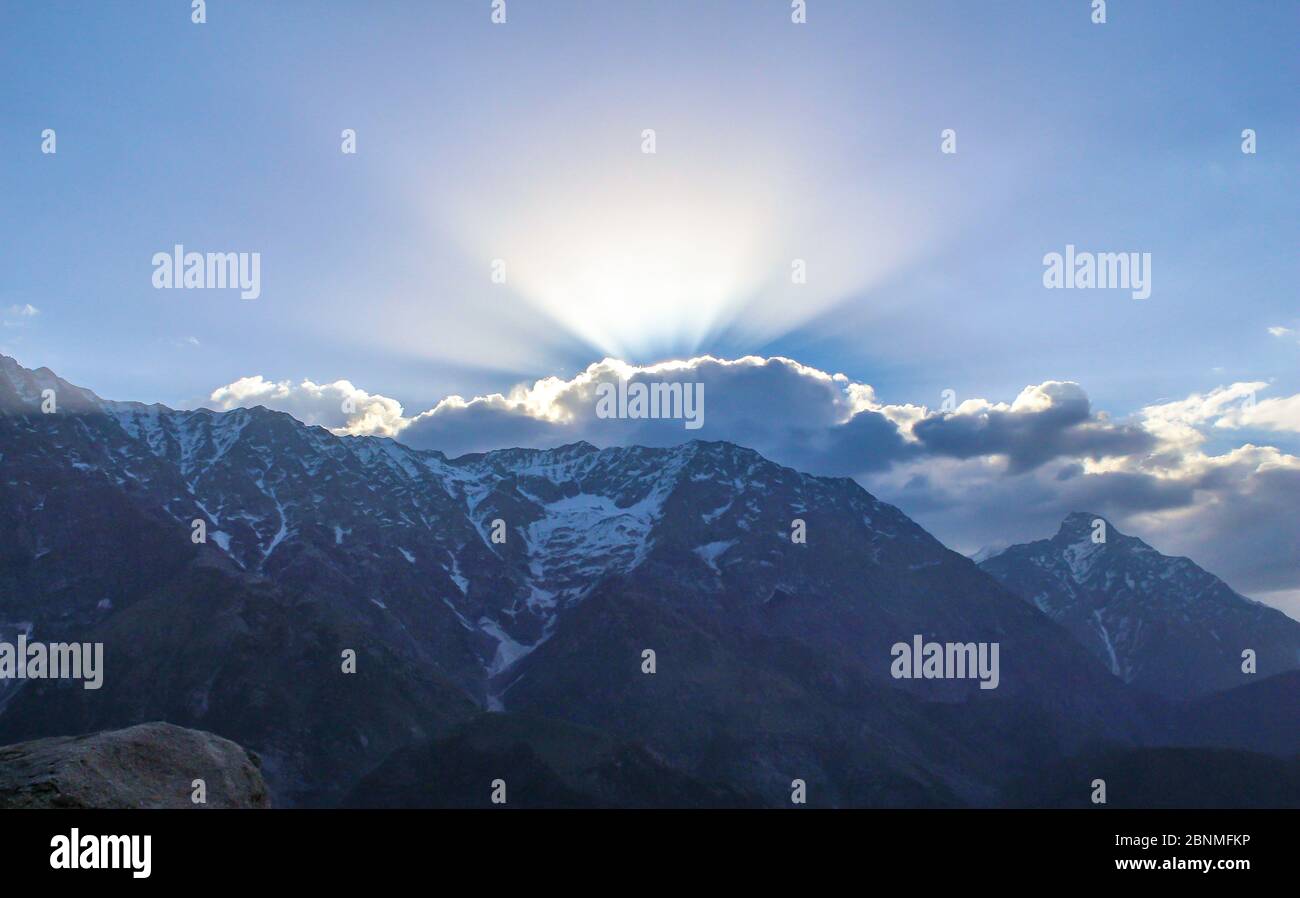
<point x="1158" y="622"/>
<point x="523" y="580"/>
<point x="1262" y="716"/>
<point x="1163" y="778"/>
<point x="542" y="762"/>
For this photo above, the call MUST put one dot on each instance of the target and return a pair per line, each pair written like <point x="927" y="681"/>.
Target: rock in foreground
<point x="152" y="765"/>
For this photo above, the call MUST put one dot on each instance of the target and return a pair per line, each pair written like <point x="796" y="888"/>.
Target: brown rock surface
<point x="152" y="765"/>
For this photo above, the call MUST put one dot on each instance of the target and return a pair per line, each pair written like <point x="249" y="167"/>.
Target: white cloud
<point x="19" y="315"/>
<point x="986" y="472"/>
<point x="1232" y="407"/>
<point x="1281" y="413"/>
<point x="824" y="422"/>
<point x="778" y="406"/>
<point x="339" y="406"/>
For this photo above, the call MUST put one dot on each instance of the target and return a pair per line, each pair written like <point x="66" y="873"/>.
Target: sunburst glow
<point x="646" y="255"/>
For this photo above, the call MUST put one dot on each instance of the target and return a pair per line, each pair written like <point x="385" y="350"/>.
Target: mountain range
<point x="1155" y="621"/>
<point x="627" y="626"/>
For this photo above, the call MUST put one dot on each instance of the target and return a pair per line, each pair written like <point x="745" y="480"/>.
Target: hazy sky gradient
<point x="774" y="142"/>
<point x="817" y="142"/>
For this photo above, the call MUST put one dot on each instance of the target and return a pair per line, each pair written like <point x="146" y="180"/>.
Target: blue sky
<point x="774" y="142"/>
<point x="1121" y="136"/>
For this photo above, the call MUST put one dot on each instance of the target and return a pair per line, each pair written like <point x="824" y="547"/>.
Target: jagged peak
<point x="568" y="450"/>
<point x="719" y="446"/>
<point x="1081" y="526"/>
<point x="27" y="384"/>
<point x="1081" y="522"/>
<point x="675" y="458"/>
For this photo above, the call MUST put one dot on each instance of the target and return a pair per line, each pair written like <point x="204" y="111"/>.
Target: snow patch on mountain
<point x="508" y="651"/>
<point x="711" y="552"/>
<point x="1152" y="619"/>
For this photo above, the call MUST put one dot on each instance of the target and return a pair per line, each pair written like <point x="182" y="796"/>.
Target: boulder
<point x="152" y="765"/>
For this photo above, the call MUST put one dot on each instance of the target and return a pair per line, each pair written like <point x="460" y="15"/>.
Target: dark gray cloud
<point x="1029" y="434"/>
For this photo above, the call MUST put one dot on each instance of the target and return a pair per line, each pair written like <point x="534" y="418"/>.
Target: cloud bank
<point x="975" y="473"/>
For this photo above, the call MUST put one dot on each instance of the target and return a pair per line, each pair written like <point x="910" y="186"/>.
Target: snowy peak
<point x="483" y="554"/>
<point x="1086" y="526"/>
<point x="1153" y="619"/>
<point x="1079" y="525"/>
<point x="533" y="581"/>
<point x="1088" y="552"/>
<point x="24" y="389"/>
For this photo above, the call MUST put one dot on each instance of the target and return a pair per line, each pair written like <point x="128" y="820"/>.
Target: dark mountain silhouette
<point x="1160" y="623"/>
<point x="1262" y="716"/>
<point x="544" y="763"/>
<point x="1163" y="778"/>
<point x="772" y="657"/>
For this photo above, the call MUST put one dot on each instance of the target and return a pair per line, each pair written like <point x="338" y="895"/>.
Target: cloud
<point x="1241" y="523"/>
<point x="788" y="411"/>
<point x="1281" y="414"/>
<point x="19" y="315"/>
<point x="821" y="422"/>
<point x="1232" y="407"/>
<point x="1281" y="331"/>
<point x="339" y="406"/>
<point x="981" y="473"/>
<point x="1047" y="421"/>
<point x="1231" y="512"/>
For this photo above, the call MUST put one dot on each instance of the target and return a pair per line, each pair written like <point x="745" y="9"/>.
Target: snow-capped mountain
<point x="404" y="535"/>
<point x="407" y="535"/>
<point x="1159" y="622"/>
<point x="521" y="581"/>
